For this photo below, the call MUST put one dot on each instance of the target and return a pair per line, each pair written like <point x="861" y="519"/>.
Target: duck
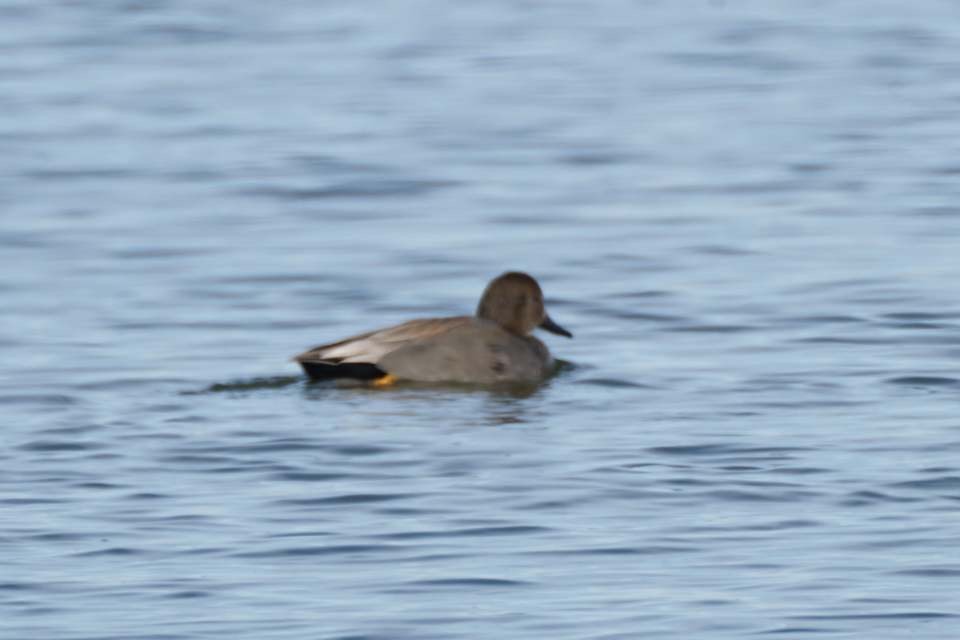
<point x="493" y="346"/>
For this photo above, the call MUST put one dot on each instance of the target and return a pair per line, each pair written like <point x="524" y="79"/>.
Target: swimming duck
<point x="492" y="346"/>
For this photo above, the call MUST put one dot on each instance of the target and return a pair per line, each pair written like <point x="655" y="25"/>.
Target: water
<point x="746" y="212"/>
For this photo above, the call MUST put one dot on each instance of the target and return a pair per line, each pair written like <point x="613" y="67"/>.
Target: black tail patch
<point x="355" y="370"/>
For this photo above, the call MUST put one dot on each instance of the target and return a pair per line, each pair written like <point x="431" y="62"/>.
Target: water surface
<point x="746" y="212"/>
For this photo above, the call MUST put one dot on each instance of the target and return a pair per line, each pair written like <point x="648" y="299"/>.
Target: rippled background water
<point x="745" y="211"/>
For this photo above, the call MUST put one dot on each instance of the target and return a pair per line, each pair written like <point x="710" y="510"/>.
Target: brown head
<point x="515" y="302"/>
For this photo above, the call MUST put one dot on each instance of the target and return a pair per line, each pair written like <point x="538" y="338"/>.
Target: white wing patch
<point x="363" y="350"/>
<point x="371" y="347"/>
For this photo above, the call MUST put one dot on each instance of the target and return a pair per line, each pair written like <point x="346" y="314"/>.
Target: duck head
<point x="514" y="301"/>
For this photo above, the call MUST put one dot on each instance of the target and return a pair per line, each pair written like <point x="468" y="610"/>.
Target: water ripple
<point x="924" y="381"/>
<point x="754" y="431"/>
<point x="467" y="533"/>
<point x="345" y="499"/>
<point x="354" y="189"/>
<point x="951" y="483"/>
<point x="331" y="550"/>
<point x="467" y="583"/>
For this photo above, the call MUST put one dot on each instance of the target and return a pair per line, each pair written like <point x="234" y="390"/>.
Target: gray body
<point x="477" y="352"/>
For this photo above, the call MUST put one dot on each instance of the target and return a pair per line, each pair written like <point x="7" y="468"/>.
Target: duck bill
<point x="553" y="327"/>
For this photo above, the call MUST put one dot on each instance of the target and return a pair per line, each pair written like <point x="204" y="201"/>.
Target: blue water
<point x="745" y="211"/>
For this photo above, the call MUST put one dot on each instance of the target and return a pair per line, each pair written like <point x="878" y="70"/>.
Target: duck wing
<point x="371" y="347"/>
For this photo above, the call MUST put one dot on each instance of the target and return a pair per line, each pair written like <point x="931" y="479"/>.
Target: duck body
<point x="460" y="350"/>
<point x="492" y="347"/>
